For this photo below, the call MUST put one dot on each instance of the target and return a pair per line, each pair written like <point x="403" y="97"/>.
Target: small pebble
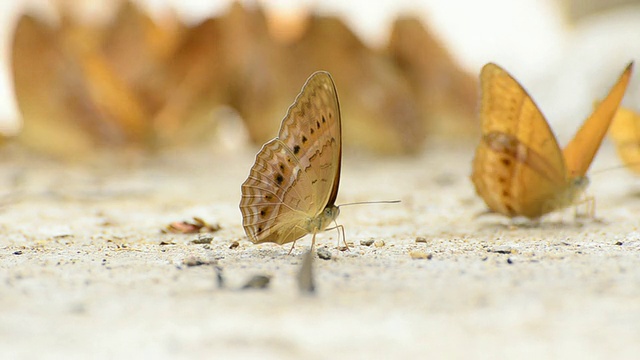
<point x="234" y="245"/>
<point x="417" y="254"/>
<point x="367" y="242"/>
<point x="420" y="239"/>
<point x="502" y="249"/>
<point x="378" y="243"/>
<point x="618" y="243"/>
<point x="510" y="261"/>
<point x="195" y="261"/>
<point x="202" y="239"/>
<point x="17" y="252"/>
<point x="324" y="253"/>
<point x="257" y="282"/>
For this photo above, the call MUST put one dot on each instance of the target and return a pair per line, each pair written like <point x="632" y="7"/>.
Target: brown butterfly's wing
<point x="296" y="175"/>
<point x="625" y="131"/>
<point x="313" y="124"/>
<point x="579" y="153"/>
<point x="518" y="168"/>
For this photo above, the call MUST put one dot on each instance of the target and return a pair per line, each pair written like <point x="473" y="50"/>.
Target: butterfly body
<point x="519" y="168"/>
<point x="292" y="187"/>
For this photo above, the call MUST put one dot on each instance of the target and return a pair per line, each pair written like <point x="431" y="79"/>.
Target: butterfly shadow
<point x="546" y="223"/>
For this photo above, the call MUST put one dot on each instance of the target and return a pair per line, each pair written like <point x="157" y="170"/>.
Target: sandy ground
<point x="86" y="273"/>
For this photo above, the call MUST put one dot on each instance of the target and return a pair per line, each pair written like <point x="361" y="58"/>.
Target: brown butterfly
<point x="292" y="187"/>
<point x="519" y="169"/>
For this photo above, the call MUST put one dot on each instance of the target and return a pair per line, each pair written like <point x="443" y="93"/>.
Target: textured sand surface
<point x="85" y="272"/>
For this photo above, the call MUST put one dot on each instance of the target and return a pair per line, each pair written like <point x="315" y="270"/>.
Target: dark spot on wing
<point x="506" y="161"/>
<point x="304" y="139"/>
<point x="279" y="179"/>
<point x="259" y="229"/>
<point x="268" y="197"/>
<point x="502" y="180"/>
<point x="323" y="120"/>
<point x="311" y="130"/>
<point x="282" y="167"/>
<point x="505" y="193"/>
<point x="296" y="149"/>
<point x="263" y="211"/>
<point x="318" y="124"/>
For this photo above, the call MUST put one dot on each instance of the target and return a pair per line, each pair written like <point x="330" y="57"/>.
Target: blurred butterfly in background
<point x="625" y="131"/>
<point x="519" y="168"/>
<point x="293" y="184"/>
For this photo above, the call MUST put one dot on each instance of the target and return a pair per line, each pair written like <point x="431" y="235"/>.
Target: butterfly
<point x="292" y="186"/>
<point x="625" y="131"/>
<point x="519" y="169"/>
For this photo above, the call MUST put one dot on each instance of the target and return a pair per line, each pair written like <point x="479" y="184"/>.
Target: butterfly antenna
<point x="617" y="167"/>
<point x="370" y="202"/>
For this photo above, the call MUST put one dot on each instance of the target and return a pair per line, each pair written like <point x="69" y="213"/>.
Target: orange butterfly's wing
<point x="296" y="176"/>
<point x="579" y="153"/>
<point x="625" y="131"/>
<point x="518" y="168"/>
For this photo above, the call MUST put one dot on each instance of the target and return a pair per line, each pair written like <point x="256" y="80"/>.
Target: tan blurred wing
<point x="579" y="153"/>
<point x="296" y="175"/>
<point x="518" y="168"/>
<point x="625" y="131"/>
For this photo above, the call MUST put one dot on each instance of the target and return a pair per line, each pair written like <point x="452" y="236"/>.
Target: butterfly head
<point x="329" y="214"/>
<point x="579" y="184"/>
<point x="575" y="188"/>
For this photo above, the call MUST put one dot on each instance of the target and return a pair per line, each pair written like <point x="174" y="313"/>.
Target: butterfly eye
<point x="580" y="181"/>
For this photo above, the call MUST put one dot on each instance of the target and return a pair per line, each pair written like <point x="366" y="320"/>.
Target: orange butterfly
<point x="519" y="169"/>
<point x="625" y="131"/>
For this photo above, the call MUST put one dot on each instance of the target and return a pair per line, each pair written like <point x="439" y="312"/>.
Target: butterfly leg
<point x="591" y="207"/>
<point x="589" y="203"/>
<point x="292" y="246"/>
<point x="344" y="238"/>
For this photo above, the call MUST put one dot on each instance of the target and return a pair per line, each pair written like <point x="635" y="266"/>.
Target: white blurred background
<point x="566" y="53"/>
